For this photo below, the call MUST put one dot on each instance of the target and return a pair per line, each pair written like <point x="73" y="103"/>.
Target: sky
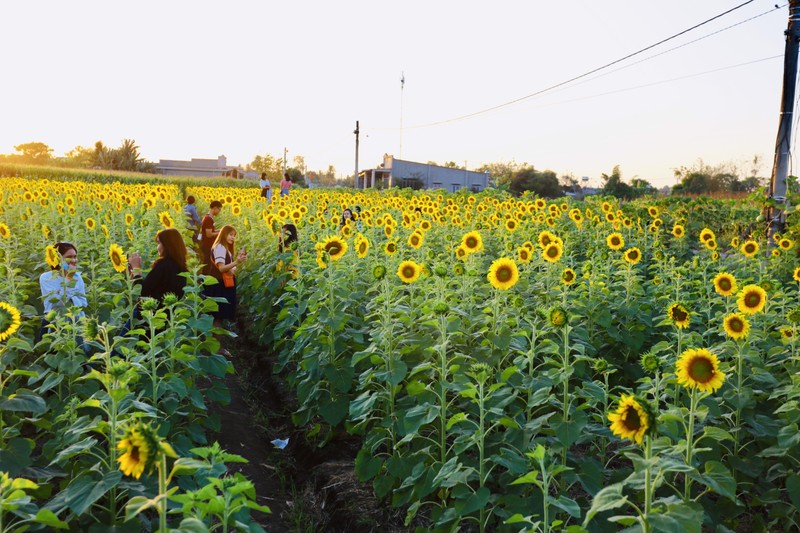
<point x="199" y="79"/>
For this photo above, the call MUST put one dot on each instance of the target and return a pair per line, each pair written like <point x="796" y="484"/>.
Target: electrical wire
<point x="575" y="78"/>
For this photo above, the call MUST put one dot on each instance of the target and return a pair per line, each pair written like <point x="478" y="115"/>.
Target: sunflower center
<point x="471" y="242"/>
<point x="408" y="272"/>
<point x="725" y="284"/>
<point x="632" y="420"/>
<point x="752" y="300"/>
<point x="332" y="248"/>
<point x="552" y="251"/>
<point x="679" y="315"/>
<point x="701" y="370"/>
<point x="503" y="274"/>
<point x="736" y="325"/>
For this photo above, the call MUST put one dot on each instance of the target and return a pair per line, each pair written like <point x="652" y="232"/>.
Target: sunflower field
<point x="507" y="364"/>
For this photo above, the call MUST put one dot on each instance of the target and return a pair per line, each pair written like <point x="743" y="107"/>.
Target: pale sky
<point x="201" y="79"/>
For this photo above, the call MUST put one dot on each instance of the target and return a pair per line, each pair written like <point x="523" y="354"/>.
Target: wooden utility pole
<point x="355" y="176"/>
<point x="780" y="169"/>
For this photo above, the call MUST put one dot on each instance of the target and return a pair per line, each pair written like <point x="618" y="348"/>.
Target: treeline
<point x="126" y="157"/>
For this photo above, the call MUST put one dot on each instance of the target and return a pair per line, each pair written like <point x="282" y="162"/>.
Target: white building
<point x="199" y="167"/>
<point x="398" y="173"/>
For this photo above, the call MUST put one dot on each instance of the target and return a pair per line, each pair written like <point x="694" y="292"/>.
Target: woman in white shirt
<point x="63" y="287"/>
<point x="222" y="254"/>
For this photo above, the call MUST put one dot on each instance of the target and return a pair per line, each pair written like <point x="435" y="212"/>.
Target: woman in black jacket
<point x="165" y="275"/>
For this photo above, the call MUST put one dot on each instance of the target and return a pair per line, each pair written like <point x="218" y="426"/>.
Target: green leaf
<point x="718" y="478"/>
<point x="566" y="504"/>
<point x="455" y="419"/>
<point x="136" y="505"/>
<point x="16" y="455"/>
<point x="609" y="498"/>
<point x="716" y="433"/>
<point x="367" y="465"/>
<point x="49" y="518"/>
<point x="25" y="401"/>
<point x="793" y="487"/>
<point x="474" y="501"/>
<point x="679" y="518"/>
<point x="530" y="477"/>
<point x="334" y="411"/>
<point x="191" y="525"/>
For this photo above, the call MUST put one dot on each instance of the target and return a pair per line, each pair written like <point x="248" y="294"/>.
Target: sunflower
<point x="558" y="317"/>
<point x="615" y="241"/>
<point x="678" y="231"/>
<point x="388" y="229"/>
<point x="166" y="220"/>
<point x="390" y="248"/>
<point x="786" y="244"/>
<point x="473" y="242"/>
<point x="4" y="231"/>
<point x="699" y="368"/>
<point x="9" y="320"/>
<point x="335" y="247"/>
<point x="90" y="224"/>
<point x="321" y="259"/>
<point x="52" y="257"/>
<point x="749" y="248"/>
<point x="415" y="240"/>
<point x="787" y="333"/>
<point x="633" y="255"/>
<point x="553" y="252"/>
<point x="137" y="454"/>
<point x="568" y="276"/>
<point x="347" y="230"/>
<point x="752" y="299"/>
<point x="706" y="234"/>
<point x="631" y="420"/>
<point x="652" y="211"/>
<point x="725" y="284"/>
<point x="796" y="274"/>
<point x="511" y="225"/>
<point x="118" y="259"/>
<point x="524" y="254"/>
<point x="545" y="238"/>
<point x="409" y="271"/>
<point x="735" y="242"/>
<point x="736" y="326"/>
<point x="129" y="233"/>
<point x="362" y="247"/>
<point x="503" y="274"/>
<point x="678" y="315"/>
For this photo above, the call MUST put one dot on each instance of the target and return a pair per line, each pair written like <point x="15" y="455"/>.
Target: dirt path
<point x="308" y="489"/>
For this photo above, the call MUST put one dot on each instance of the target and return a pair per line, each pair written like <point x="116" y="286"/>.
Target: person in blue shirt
<point x="63" y="288"/>
<point x="266" y="190"/>
<point x="192" y="218"/>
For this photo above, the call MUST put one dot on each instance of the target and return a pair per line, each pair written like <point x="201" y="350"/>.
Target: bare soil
<point x="308" y="489"/>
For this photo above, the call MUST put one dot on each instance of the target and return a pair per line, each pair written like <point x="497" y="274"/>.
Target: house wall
<point x="434" y="176"/>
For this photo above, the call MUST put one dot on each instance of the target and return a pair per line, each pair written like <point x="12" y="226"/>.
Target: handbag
<point x="228" y="280"/>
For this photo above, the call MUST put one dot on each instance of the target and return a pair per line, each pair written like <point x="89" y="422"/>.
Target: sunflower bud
<point x="441" y="308"/>
<point x="170" y="299"/>
<point x="650" y="362"/>
<point x="149" y="304"/>
<point x="767" y="285"/>
<point x="793" y="316"/>
<point x="90" y="328"/>
<point x="600" y="365"/>
<point x="458" y="269"/>
<point x="440" y="270"/>
<point x="379" y="271"/>
<point x="50" y="316"/>
<point x="558" y="317"/>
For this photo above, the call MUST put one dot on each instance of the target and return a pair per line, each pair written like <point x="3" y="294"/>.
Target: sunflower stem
<point x="687" y="480"/>
<point x="648" y="487"/>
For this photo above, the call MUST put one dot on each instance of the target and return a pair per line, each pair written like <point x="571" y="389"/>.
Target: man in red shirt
<point x="208" y="233"/>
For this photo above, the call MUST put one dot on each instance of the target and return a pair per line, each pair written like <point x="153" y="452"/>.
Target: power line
<point x="585" y="74"/>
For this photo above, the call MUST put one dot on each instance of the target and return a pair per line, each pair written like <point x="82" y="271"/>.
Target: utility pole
<point x="780" y="169"/>
<point x="355" y="176"/>
<point x="402" y="85"/>
<point x="284" y="161"/>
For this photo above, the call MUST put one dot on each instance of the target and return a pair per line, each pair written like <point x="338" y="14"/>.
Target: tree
<point x="80" y="156"/>
<point x="268" y="164"/>
<point x="614" y="186"/>
<point x="543" y="183"/>
<point x="501" y="172"/>
<point x="34" y="152"/>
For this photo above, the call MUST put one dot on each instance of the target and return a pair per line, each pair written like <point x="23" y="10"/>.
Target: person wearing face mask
<point x="63" y="287"/>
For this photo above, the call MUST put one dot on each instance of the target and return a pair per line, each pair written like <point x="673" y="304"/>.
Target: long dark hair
<point x="174" y="247"/>
<point x="291" y="237"/>
<point x="222" y="239"/>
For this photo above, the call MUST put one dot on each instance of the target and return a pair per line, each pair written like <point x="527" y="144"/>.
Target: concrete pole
<point x="780" y="168"/>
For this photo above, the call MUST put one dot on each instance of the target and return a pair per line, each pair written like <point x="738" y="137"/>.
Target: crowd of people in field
<point x="63" y="288"/>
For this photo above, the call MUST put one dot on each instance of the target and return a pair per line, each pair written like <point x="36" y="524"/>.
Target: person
<point x="347" y="215"/>
<point x="63" y="287"/>
<point x="192" y="218"/>
<point x="287" y="241"/>
<point x="208" y="233"/>
<point x="165" y="275"/>
<point x="286" y="184"/>
<point x="223" y="253"/>
<point x="266" y="191"/>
